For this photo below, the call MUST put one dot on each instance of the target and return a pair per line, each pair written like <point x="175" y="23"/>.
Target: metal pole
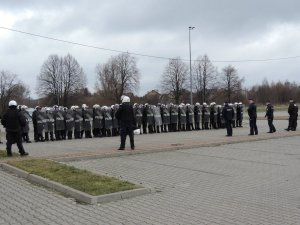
<point x="191" y="79"/>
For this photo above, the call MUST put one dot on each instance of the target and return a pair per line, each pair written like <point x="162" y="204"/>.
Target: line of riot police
<point x="61" y="123"/>
<point x="183" y="117"/>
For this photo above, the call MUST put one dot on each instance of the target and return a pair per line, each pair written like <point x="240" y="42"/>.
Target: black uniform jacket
<point x="125" y="114"/>
<point x="13" y="120"/>
<point x="252" y="111"/>
<point x="227" y="113"/>
<point x="270" y="111"/>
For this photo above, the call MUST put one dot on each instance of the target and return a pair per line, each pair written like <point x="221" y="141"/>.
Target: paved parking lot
<point x="96" y="147"/>
<point x="246" y="183"/>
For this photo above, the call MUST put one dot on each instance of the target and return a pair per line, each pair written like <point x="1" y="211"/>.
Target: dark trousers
<point x="271" y="125"/>
<point x="11" y="138"/>
<point x="144" y="127"/>
<point x="77" y="134"/>
<point x="58" y="135"/>
<point x="206" y="126"/>
<point x="35" y="132"/>
<point x="293" y="123"/>
<point x="253" y="126"/>
<point x="88" y="133"/>
<point x="47" y="136"/>
<point x="70" y="132"/>
<point x="25" y="137"/>
<point x="97" y="132"/>
<point x="228" y="125"/>
<point x="126" y="130"/>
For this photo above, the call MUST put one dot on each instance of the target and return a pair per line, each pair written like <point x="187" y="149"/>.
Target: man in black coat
<point x="293" y="112"/>
<point x="127" y="122"/>
<point x="252" y="117"/>
<point x="228" y="114"/>
<point x="13" y="121"/>
<point x="270" y="117"/>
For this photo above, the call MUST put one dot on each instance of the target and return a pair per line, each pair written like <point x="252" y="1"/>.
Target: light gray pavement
<point x="246" y="183"/>
<point x="96" y="147"/>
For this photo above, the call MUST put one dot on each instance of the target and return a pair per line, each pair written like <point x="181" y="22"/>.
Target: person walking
<point x="127" y="122"/>
<point x="228" y="115"/>
<point x="270" y="117"/>
<point x="13" y="121"/>
<point x="252" y="117"/>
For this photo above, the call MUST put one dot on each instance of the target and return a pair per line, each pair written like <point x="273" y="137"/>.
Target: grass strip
<point x="3" y="154"/>
<point x="78" y="179"/>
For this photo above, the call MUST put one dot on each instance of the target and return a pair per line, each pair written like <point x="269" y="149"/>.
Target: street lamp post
<point x="191" y="80"/>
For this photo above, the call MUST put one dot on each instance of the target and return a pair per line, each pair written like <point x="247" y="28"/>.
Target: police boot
<point x="9" y="153"/>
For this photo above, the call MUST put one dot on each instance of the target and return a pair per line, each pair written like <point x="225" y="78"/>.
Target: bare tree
<point x="73" y="78"/>
<point x="118" y="76"/>
<point x="174" y="78"/>
<point x="60" y="78"/>
<point x="231" y="83"/>
<point x="11" y="88"/>
<point x="205" y="77"/>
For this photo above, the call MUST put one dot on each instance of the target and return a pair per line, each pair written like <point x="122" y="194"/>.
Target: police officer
<point x="293" y="112"/>
<point x="270" y="117"/>
<point x="228" y="115"/>
<point x="127" y="122"/>
<point x="252" y="117"/>
<point x="13" y="121"/>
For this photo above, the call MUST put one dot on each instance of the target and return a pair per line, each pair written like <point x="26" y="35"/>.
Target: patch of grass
<point x="3" y="154"/>
<point x="262" y="108"/>
<point x="81" y="180"/>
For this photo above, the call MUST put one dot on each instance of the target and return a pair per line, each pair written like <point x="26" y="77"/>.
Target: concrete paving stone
<point x="247" y="183"/>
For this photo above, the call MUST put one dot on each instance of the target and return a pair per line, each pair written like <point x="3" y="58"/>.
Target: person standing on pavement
<point x="270" y="117"/>
<point x="228" y="114"/>
<point x="13" y="121"/>
<point x="293" y="112"/>
<point x="127" y="122"/>
<point x="252" y="117"/>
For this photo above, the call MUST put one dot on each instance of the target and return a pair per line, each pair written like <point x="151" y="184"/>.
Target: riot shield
<point x="78" y="120"/>
<point x="174" y="114"/>
<point x="97" y="119"/>
<point x="157" y="116"/>
<point x="182" y="112"/>
<point x="87" y="116"/>
<point x="70" y="123"/>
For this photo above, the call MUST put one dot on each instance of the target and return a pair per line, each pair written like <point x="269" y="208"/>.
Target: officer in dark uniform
<point x="127" y="122"/>
<point x="252" y="117"/>
<point x="270" y="117"/>
<point x="228" y="114"/>
<point x="293" y="112"/>
<point x="13" y="121"/>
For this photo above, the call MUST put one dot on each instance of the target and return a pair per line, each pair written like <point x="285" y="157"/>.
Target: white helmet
<point x="240" y="103"/>
<point x="125" y="99"/>
<point x="197" y="104"/>
<point x="24" y="107"/>
<point x="12" y="103"/>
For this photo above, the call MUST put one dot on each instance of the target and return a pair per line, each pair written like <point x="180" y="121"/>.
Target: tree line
<point x="62" y="81"/>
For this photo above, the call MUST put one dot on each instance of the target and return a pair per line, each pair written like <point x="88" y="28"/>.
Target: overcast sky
<point x="225" y="30"/>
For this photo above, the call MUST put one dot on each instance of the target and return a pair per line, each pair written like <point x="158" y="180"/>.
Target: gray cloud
<point x="225" y="30"/>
